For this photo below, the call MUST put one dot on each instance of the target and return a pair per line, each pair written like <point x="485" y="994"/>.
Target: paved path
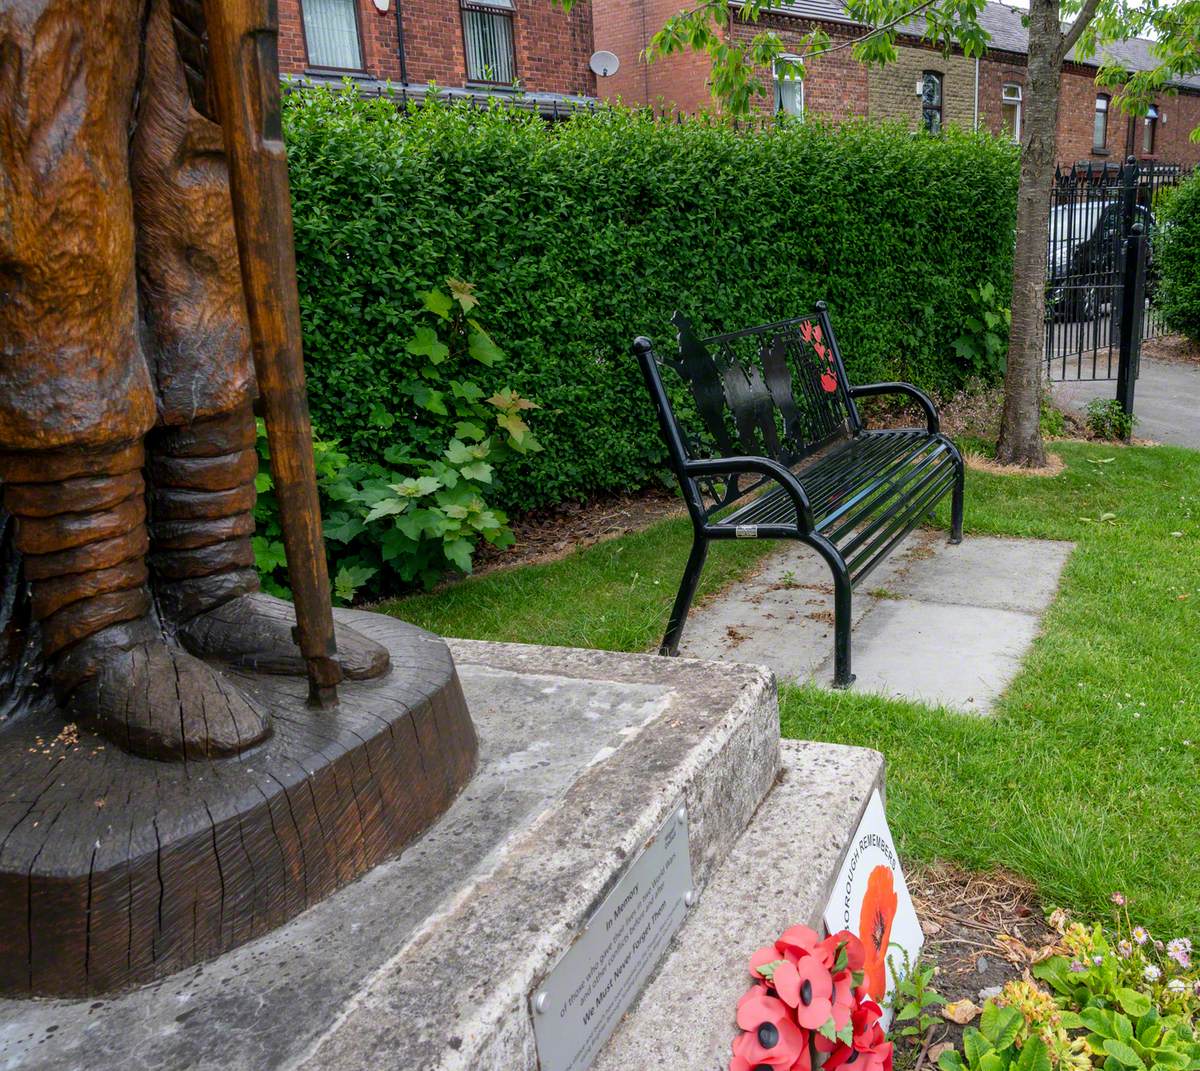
<point x="1166" y="401"/>
<point x="940" y="624"/>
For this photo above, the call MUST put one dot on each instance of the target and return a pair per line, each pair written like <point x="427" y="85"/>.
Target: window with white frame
<point x="789" y="91"/>
<point x="488" y="41"/>
<point x="1100" y="124"/>
<point x="1010" y="109"/>
<point x="1149" y="129"/>
<point x="331" y="34"/>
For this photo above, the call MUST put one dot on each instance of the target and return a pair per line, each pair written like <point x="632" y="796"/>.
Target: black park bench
<point x="772" y="446"/>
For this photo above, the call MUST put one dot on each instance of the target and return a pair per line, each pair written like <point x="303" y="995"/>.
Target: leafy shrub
<point x="1107" y="420"/>
<point x="1177" y="259"/>
<point x="425" y="513"/>
<point x="1118" y="1000"/>
<point x="583" y="234"/>
<point x="984" y="341"/>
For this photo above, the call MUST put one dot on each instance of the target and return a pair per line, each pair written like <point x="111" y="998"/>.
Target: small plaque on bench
<point x="584" y="996"/>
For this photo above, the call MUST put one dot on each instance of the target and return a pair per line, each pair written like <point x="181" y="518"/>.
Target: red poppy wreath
<point x="808" y="1007"/>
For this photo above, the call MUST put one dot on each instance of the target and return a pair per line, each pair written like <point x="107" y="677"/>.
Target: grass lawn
<point x="1086" y="779"/>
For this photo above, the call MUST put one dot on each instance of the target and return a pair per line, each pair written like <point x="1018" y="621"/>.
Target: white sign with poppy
<point x="870" y="898"/>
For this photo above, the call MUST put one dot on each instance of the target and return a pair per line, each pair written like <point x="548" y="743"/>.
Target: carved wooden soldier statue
<point x="127" y="437"/>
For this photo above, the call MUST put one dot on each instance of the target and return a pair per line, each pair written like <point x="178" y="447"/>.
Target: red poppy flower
<point x="843" y="1000"/>
<point x="817" y="332"/>
<point x="802" y="941"/>
<point x="856" y="954"/>
<point x="746" y="1057"/>
<point x="870" y="1052"/>
<point x="875" y="928"/>
<point x="808" y="987"/>
<point x="828" y="382"/>
<point x="806" y="331"/>
<point x="771" y="1038"/>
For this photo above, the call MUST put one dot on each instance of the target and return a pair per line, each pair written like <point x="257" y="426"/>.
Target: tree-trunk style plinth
<point x="117" y="870"/>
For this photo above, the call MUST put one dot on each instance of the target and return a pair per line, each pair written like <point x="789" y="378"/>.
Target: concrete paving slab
<point x="1165" y="401"/>
<point x="936" y="623"/>
<point x="1007" y="574"/>
<point x="939" y="653"/>
<point x="783" y="617"/>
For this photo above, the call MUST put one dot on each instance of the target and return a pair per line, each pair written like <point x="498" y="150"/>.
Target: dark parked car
<point x="1085" y="258"/>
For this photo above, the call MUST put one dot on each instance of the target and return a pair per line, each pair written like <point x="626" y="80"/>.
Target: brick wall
<point x="893" y="89"/>
<point x="1178" y="116"/>
<point x="552" y="48"/>
<point x="838" y="86"/>
<point x="835" y="85"/>
<point x="624" y="27"/>
<point x="996" y="70"/>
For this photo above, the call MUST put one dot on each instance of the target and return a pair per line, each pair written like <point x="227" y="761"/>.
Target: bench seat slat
<point x="849" y="485"/>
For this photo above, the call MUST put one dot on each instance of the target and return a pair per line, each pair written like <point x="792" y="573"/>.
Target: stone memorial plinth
<point x="596" y="771"/>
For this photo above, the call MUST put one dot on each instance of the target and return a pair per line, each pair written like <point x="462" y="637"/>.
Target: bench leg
<point x="842" y="677"/>
<point x="683" y="601"/>
<point x="842" y="591"/>
<point x="956" y="506"/>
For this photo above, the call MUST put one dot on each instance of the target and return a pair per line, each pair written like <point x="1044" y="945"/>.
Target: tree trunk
<point x="1020" y="432"/>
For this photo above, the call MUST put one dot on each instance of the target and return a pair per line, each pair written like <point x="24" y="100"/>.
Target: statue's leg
<point x="81" y="531"/>
<point x="202" y="459"/>
<point x="75" y="390"/>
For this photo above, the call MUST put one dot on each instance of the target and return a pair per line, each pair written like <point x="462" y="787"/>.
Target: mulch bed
<point x="545" y="535"/>
<point x="980" y="930"/>
<point x="1174" y="349"/>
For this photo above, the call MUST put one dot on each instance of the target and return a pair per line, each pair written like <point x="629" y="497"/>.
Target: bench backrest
<point x="777" y="391"/>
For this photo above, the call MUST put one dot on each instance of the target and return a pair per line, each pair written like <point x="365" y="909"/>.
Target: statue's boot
<point x="202" y="518"/>
<point x="82" y="534"/>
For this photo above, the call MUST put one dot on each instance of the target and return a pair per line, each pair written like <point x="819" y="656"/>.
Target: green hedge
<point x="583" y="234"/>
<point x="1177" y="259"/>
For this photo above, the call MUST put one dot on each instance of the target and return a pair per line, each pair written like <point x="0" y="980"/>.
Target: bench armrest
<point x="868" y="390"/>
<point x="764" y="466"/>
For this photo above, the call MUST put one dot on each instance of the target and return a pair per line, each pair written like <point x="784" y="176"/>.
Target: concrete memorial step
<point x="780" y="873"/>
<point x="610" y="794"/>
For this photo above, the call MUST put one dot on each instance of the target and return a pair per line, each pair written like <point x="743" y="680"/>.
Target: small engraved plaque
<point x="746" y="531"/>
<point x="582" y="999"/>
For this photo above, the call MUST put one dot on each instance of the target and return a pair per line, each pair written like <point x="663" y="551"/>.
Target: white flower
<point x="1151" y="973"/>
<point x="1140" y="935"/>
<point x="1177" y="985"/>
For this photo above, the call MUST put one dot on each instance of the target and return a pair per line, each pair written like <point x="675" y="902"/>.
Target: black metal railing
<point x="1092" y="211"/>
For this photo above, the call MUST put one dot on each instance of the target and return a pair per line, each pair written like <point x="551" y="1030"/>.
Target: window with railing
<point x="1100" y="124"/>
<point x="488" y="41"/>
<point x="331" y="34"/>
<point x="931" y="101"/>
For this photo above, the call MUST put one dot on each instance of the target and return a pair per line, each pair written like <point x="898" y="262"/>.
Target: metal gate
<point x="1090" y="284"/>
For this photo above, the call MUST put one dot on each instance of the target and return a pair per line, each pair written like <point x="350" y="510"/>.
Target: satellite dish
<point x="604" y="63"/>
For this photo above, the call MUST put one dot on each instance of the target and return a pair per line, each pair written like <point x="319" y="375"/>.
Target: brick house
<point x="923" y="87"/>
<point x="464" y="46"/>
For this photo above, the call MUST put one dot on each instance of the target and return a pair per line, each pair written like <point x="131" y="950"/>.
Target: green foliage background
<point x="583" y="234"/>
<point x="1177" y="259"/>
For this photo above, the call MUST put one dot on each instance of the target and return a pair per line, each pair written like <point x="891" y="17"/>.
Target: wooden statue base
<point x="116" y="870"/>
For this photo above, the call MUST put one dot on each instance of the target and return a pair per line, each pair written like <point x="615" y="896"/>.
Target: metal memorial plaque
<point x="584" y="996"/>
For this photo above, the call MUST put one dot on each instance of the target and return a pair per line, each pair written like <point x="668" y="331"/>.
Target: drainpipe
<point x="400" y="43"/>
<point x="975" y="122"/>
